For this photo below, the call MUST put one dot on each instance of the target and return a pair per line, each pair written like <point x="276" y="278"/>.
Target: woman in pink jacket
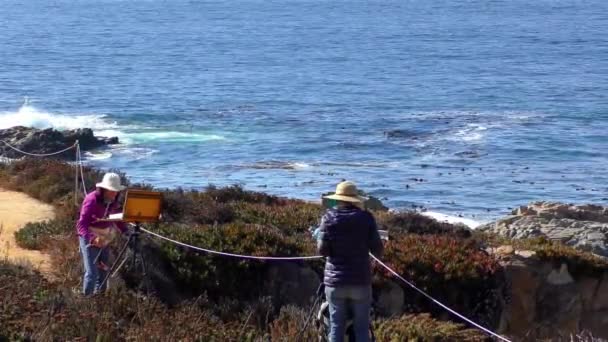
<point x="98" y="205"/>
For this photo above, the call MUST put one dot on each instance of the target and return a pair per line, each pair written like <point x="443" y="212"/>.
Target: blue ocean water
<point x="462" y="107"/>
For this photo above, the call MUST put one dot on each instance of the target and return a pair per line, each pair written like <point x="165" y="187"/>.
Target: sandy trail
<point x="17" y="209"/>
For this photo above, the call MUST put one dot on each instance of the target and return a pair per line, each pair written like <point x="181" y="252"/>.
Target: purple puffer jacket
<point x="93" y="208"/>
<point x="347" y="235"/>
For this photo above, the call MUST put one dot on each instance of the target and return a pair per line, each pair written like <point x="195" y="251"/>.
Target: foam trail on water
<point x="170" y="136"/>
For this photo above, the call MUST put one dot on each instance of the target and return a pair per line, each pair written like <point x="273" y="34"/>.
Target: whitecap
<point x="99" y="155"/>
<point x="473" y="132"/>
<point x="30" y="116"/>
<point x="452" y="219"/>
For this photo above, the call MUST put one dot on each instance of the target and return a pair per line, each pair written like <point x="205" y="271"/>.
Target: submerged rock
<point x="44" y="141"/>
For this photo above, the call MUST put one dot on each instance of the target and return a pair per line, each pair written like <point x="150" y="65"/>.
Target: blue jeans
<point x="344" y="300"/>
<point x="93" y="275"/>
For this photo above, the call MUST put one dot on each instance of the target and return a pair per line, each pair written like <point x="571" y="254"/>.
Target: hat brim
<point x="111" y="188"/>
<point x="351" y="199"/>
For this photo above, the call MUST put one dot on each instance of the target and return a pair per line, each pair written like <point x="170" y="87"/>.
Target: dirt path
<point x="17" y="209"/>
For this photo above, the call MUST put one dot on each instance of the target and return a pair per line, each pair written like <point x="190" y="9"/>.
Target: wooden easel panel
<point x="142" y="206"/>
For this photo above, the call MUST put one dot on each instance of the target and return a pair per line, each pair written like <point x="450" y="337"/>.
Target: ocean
<point x="467" y="108"/>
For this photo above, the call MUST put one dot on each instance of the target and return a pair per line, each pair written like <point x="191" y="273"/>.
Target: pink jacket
<point x="93" y="208"/>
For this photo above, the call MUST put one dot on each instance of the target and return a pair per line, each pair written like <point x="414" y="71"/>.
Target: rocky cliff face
<point x="541" y="301"/>
<point x="584" y="227"/>
<point x="43" y="141"/>
<point x="546" y="301"/>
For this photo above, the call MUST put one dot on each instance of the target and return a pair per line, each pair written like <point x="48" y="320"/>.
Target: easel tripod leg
<point x="115" y="263"/>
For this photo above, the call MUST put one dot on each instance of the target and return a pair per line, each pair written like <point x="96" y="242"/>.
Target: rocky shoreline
<point x="584" y="227"/>
<point x="44" y="141"/>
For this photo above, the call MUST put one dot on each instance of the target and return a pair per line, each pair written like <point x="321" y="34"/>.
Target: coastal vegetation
<point x="197" y="296"/>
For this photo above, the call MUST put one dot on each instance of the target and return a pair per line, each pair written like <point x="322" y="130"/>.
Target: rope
<point x="38" y="155"/>
<point x="318" y="257"/>
<point x="438" y="302"/>
<point x="229" y="254"/>
<point x="76" y="174"/>
<point x="84" y="187"/>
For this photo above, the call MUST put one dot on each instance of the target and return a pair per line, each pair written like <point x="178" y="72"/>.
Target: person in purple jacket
<point x="98" y="205"/>
<point x="347" y="235"/>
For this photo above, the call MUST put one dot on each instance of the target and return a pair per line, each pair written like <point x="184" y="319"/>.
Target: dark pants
<point x="342" y="299"/>
<point x="93" y="276"/>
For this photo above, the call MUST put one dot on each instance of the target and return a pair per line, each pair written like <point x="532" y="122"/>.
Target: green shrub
<point x="194" y="207"/>
<point x="291" y="218"/>
<point x="423" y="328"/>
<point x="200" y="272"/>
<point x="293" y="324"/>
<point x="453" y="270"/>
<point x="225" y="205"/>
<point x="34" y="235"/>
<point x="446" y="264"/>
<point x="236" y="193"/>
<point x="33" y="309"/>
<point x="579" y="263"/>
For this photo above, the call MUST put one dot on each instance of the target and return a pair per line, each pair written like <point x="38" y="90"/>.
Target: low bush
<point x="293" y="324"/>
<point x="33" y="309"/>
<point x="292" y="218"/>
<point x="195" y="208"/>
<point x="579" y="263"/>
<point x="34" y="235"/>
<point x="423" y="328"/>
<point x="50" y="181"/>
<point x="446" y="264"/>
<point x="217" y="275"/>
<point x="455" y="271"/>
<point x="66" y="260"/>
<point x="416" y="223"/>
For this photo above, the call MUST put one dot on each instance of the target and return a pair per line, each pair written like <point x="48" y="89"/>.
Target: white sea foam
<point x="170" y="136"/>
<point x="473" y="132"/>
<point x="277" y="164"/>
<point x="97" y="155"/>
<point x="452" y="219"/>
<point x="30" y="116"/>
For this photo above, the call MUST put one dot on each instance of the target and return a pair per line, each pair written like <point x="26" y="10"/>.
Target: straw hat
<point x="111" y="181"/>
<point x="346" y="192"/>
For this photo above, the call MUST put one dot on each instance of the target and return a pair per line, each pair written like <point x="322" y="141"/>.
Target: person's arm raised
<point x="324" y="241"/>
<point x="375" y="242"/>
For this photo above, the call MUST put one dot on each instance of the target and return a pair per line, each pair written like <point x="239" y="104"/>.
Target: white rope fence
<point x="78" y="164"/>
<point x="319" y="257"/>
<point x="229" y="254"/>
<point x="81" y="168"/>
<point x="38" y="155"/>
<point x="438" y="302"/>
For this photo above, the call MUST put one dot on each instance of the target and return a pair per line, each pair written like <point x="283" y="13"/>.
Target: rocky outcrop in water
<point x="43" y="141"/>
<point x="584" y="227"/>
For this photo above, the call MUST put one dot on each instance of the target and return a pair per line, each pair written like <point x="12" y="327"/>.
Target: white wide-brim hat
<point x="347" y="192"/>
<point x="111" y="181"/>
